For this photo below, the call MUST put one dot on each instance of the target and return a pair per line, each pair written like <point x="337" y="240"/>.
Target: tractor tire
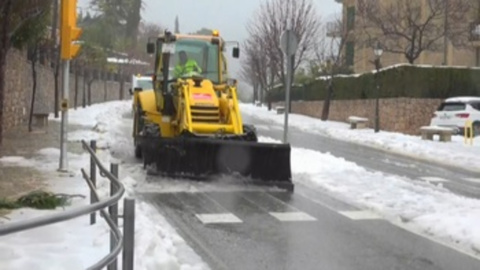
<point x="138" y="151"/>
<point x="251" y="133"/>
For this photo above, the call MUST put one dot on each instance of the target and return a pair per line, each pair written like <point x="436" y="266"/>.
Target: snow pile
<point x="428" y="208"/>
<point x="455" y="153"/>
<point x="75" y="244"/>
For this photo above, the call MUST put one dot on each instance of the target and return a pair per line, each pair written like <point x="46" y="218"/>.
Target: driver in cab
<point x="186" y="66"/>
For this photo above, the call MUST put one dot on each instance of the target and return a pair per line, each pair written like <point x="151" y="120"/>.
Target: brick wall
<point x="404" y="115"/>
<point x="18" y="90"/>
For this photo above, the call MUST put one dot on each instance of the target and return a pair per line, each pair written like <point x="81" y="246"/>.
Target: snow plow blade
<point x="201" y="158"/>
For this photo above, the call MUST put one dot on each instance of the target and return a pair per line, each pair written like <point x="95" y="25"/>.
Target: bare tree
<point x="14" y="14"/>
<point x="56" y="57"/>
<point x="411" y="27"/>
<point x="273" y="17"/>
<point x="37" y="47"/>
<point x="258" y="68"/>
<point x="331" y="53"/>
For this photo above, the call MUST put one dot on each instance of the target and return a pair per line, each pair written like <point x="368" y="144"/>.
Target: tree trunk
<point x="56" y="61"/>
<point x="56" y="73"/>
<point x="269" y="99"/>
<point x="104" y="86"/>
<point x="261" y="95"/>
<point x="326" y="104"/>
<point x="75" y="100"/>
<point x="4" y="46"/>
<point x="3" y="63"/>
<point x="84" y="87"/>
<point x="89" y="89"/>
<point x="122" y="86"/>
<point x="34" y="86"/>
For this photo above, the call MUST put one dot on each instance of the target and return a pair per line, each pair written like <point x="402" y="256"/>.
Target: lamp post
<point x="378" y="51"/>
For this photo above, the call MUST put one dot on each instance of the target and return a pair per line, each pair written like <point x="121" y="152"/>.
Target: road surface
<point x="243" y="227"/>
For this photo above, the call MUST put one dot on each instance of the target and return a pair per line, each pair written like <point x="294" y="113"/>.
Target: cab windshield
<point x="194" y="57"/>
<point x="145" y="83"/>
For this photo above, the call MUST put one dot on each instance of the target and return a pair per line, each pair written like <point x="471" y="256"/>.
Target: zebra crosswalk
<point x="210" y="208"/>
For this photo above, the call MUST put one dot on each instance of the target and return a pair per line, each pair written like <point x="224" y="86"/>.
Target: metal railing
<point x="117" y="240"/>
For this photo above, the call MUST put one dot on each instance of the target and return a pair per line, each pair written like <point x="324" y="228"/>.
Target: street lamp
<point x="378" y="51"/>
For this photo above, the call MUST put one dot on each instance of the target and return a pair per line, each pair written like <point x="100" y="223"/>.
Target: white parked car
<point x="455" y="111"/>
<point x="142" y="81"/>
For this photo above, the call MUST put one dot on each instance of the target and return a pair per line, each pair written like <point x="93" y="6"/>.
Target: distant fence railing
<point x="117" y="240"/>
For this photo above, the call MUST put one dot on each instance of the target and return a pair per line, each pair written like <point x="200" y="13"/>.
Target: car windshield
<point x="145" y="83"/>
<point x="452" y="106"/>
<point x="195" y="57"/>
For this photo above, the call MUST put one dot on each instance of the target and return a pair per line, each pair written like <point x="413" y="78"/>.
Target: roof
<point x="115" y="60"/>
<point x="208" y="38"/>
<point x="462" y="99"/>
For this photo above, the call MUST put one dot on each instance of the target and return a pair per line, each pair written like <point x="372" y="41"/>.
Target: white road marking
<point x="218" y="218"/>
<point x="433" y="179"/>
<point x="292" y="216"/>
<point x="360" y="215"/>
<point x="473" y="180"/>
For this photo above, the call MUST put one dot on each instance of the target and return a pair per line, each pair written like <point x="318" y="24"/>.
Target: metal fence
<point x="118" y="242"/>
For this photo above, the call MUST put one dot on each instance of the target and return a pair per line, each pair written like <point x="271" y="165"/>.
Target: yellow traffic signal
<point x="69" y="31"/>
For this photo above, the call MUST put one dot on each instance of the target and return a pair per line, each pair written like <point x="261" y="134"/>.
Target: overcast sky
<point x="230" y="17"/>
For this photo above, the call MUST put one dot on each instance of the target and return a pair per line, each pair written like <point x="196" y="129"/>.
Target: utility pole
<point x="445" y="36"/>
<point x="69" y="34"/>
<point x="288" y="44"/>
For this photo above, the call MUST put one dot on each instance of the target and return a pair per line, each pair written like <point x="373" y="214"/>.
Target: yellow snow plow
<point x="190" y="125"/>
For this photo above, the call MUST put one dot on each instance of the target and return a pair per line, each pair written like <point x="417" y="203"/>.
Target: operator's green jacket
<point x="190" y="66"/>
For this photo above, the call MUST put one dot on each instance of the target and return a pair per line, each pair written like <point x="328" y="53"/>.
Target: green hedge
<point x="402" y="81"/>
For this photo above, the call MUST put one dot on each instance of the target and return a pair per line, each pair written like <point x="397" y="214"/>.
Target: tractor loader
<point x="190" y="125"/>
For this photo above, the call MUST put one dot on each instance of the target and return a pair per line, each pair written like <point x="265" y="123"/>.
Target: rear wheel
<point x="251" y="133"/>
<point x="138" y="151"/>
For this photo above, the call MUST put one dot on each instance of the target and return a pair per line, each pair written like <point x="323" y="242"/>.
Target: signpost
<point x="69" y="46"/>
<point x="288" y="44"/>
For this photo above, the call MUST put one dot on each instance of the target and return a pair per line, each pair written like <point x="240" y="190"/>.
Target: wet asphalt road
<point x="278" y="230"/>
<point x="244" y="228"/>
<point x="457" y="180"/>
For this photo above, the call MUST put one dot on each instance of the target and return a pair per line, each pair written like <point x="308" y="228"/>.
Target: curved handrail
<point x="99" y="205"/>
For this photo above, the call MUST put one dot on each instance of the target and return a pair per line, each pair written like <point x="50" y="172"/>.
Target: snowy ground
<point x="456" y="153"/>
<point x="427" y="208"/>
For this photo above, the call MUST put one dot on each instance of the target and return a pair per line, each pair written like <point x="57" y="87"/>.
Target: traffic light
<point x="69" y="31"/>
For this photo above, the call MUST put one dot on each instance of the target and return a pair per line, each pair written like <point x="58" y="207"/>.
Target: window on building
<point x="350" y="53"/>
<point x="350" y="18"/>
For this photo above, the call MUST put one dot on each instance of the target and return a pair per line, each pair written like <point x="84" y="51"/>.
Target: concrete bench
<point x="280" y="110"/>
<point x="357" y="122"/>
<point x="444" y="133"/>
<point x="40" y="122"/>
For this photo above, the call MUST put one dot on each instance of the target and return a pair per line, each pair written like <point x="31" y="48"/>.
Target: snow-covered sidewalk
<point x="455" y="153"/>
<point x="423" y="207"/>
<point x="74" y="244"/>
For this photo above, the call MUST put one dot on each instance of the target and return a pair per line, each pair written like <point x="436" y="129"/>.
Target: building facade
<point x="358" y="55"/>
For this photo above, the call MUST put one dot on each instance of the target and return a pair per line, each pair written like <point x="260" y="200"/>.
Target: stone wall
<point x="18" y="90"/>
<point x="404" y="115"/>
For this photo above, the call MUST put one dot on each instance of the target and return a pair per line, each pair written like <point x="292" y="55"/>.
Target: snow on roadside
<point x="423" y="207"/>
<point x="157" y="245"/>
<point x="430" y="209"/>
<point x="455" y="153"/>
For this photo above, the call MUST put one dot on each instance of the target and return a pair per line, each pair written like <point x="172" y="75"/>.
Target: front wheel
<point x="138" y="151"/>
<point x="251" y="133"/>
